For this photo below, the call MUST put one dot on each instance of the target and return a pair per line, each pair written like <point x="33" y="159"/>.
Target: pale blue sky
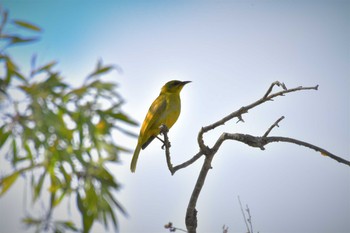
<point x="232" y="51"/>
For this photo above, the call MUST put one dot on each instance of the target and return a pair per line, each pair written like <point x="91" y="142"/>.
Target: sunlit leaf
<point x="31" y="221"/>
<point x="122" y="117"/>
<point x="67" y="225"/>
<point x="20" y="40"/>
<point x="87" y="216"/>
<point x="100" y="70"/>
<point x="80" y="204"/>
<point x="7" y="182"/>
<point x="29" y="151"/>
<point x="19" y="75"/>
<point x="58" y="200"/>
<point x="3" y="136"/>
<point x="88" y="220"/>
<point x="38" y="186"/>
<point x="14" y="152"/>
<point x="27" y="25"/>
<point x="46" y="67"/>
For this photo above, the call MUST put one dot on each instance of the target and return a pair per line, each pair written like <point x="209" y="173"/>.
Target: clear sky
<point x="232" y="51"/>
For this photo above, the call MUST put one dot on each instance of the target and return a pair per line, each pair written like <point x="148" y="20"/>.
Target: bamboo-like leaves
<point x="61" y="137"/>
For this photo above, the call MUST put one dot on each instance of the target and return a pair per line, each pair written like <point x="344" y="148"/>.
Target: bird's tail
<point x="134" y="158"/>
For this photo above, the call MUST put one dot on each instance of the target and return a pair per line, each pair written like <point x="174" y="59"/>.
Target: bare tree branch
<point x="273" y="126"/>
<point x="243" y="214"/>
<point x="164" y="130"/>
<point x="253" y="141"/>
<point x="243" y="110"/>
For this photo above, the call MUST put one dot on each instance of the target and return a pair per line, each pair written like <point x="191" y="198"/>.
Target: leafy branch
<point x="55" y="134"/>
<point x="250" y="140"/>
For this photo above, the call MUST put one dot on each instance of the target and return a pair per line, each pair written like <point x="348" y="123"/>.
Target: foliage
<point x="59" y="136"/>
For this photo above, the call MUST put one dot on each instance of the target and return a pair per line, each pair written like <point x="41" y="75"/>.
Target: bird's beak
<point x="185" y="82"/>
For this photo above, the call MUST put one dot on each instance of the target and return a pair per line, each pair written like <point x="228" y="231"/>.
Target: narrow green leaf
<point x="122" y="117"/>
<point x="7" y="182"/>
<point x="59" y="199"/>
<point x="19" y="75"/>
<point x="67" y="225"/>
<point x="29" y="151"/>
<point x="116" y="203"/>
<point x="27" y="25"/>
<point x="20" y="40"/>
<point x="3" y="136"/>
<point x="31" y="221"/>
<point x="46" y="67"/>
<point x="100" y="70"/>
<point x="14" y="152"/>
<point x="38" y="186"/>
<point x="88" y="220"/>
<point x="80" y="204"/>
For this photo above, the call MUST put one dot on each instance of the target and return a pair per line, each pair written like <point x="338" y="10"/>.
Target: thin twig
<point x="244" y="217"/>
<point x="249" y="219"/>
<point x="172" y="228"/>
<point x="164" y="130"/>
<point x="276" y="83"/>
<point x="272" y="126"/>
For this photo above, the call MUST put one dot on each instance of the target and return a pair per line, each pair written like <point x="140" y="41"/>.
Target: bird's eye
<point x="175" y="83"/>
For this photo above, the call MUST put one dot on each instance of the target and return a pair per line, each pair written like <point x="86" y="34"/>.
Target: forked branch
<point x="253" y="141"/>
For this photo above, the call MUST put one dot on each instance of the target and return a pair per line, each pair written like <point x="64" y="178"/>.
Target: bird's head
<point x="174" y="86"/>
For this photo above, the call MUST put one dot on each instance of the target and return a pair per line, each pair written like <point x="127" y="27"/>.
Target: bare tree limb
<point x="253" y="141"/>
<point x="245" y="109"/>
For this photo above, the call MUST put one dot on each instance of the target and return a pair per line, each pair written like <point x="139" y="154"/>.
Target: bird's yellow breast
<point x="172" y="111"/>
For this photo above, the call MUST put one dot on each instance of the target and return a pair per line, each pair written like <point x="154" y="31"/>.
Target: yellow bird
<point x="164" y="110"/>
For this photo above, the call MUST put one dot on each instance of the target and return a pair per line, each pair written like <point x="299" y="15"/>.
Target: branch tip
<point x="272" y="126"/>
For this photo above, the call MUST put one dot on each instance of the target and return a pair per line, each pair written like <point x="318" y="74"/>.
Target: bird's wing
<point x="150" y="128"/>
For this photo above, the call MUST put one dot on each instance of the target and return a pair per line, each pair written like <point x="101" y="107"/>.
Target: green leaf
<point x="46" y="67"/>
<point x="8" y="181"/>
<point x="29" y="151"/>
<point x="67" y="225"/>
<point x="20" y="40"/>
<point x="88" y="220"/>
<point x="3" y="136"/>
<point x="38" y="186"/>
<point x="80" y="204"/>
<point x="100" y="70"/>
<point x="58" y="200"/>
<point x="27" y="25"/>
<point x="19" y="75"/>
<point x="124" y="118"/>
<point x="31" y="221"/>
<point x="88" y="217"/>
<point x="116" y="203"/>
<point x="14" y="152"/>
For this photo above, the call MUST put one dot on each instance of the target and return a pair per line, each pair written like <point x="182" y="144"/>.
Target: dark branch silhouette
<point x="250" y="140"/>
